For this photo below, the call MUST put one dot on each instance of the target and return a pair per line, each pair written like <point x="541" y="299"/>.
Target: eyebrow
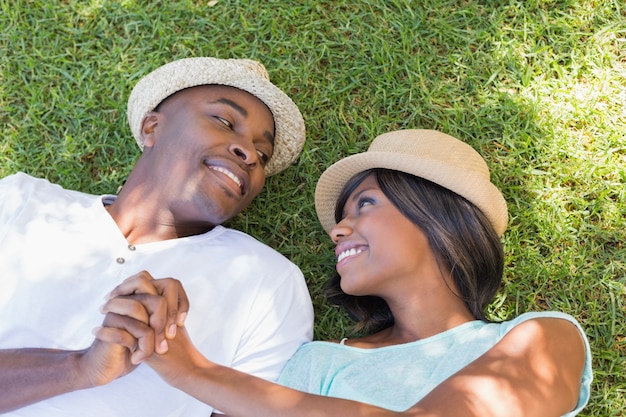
<point x="234" y="105"/>
<point x="354" y="197"/>
<point x="244" y="113"/>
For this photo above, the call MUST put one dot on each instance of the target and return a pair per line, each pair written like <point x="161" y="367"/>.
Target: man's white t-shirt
<point x="61" y="253"/>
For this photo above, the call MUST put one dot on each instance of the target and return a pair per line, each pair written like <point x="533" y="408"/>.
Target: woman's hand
<point x="161" y="304"/>
<point x="182" y="359"/>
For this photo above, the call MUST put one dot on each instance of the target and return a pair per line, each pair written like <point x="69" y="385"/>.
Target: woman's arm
<point x="240" y="394"/>
<point x="535" y="370"/>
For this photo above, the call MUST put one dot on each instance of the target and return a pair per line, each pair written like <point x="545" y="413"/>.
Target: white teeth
<point x="349" y="252"/>
<point x="228" y="174"/>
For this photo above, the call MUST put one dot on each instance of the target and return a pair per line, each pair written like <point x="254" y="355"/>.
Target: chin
<point x="351" y="291"/>
<point x="217" y="215"/>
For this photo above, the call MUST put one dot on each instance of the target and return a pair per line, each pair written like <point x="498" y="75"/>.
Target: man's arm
<point x="277" y="324"/>
<point x="28" y="376"/>
<point x="31" y="375"/>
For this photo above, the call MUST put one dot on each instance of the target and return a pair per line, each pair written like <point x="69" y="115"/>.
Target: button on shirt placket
<point x="121" y="260"/>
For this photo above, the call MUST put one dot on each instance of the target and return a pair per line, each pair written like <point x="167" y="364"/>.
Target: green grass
<point x="538" y="87"/>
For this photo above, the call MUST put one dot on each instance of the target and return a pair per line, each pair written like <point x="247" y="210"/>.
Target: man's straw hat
<point x="245" y="74"/>
<point x="428" y="154"/>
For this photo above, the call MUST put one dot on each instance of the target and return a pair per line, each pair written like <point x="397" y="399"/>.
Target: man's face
<point x="208" y="146"/>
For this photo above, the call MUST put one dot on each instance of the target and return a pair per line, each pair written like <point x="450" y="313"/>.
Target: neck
<point x="431" y="322"/>
<point x="143" y="216"/>
<point x="421" y="312"/>
<point x="143" y="228"/>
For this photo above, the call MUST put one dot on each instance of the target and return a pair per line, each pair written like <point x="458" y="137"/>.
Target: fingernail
<point x="183" y="317"/>
<point x="163" y="346"/>
<point x="171" y="331"/>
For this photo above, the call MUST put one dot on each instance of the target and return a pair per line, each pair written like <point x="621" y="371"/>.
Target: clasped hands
<point x="142" y="316"/>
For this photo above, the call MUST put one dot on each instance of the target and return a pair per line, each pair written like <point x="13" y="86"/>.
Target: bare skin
<point x="536" y="369"/>
<point x="205" y="149"/>
<point x="213" y="142"/>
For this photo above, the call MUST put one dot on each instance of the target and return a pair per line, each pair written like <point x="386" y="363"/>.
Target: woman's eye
<point x="365" y="202"/>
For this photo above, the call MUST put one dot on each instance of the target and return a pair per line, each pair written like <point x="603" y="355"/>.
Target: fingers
<point x="138" y="309"/>
<point x="141" y="282"/>
<point x="177" y="302"/>
<point x="116" y="336"/>
<point x="123" y="330"/>
<point x="144" y="308"/>
<point x="164" y="304"/>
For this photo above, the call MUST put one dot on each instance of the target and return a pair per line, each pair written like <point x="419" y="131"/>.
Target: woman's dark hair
<point x="460" y="235"/>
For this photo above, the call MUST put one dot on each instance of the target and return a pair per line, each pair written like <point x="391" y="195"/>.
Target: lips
<point x="347" y="253"/>
<point x="348" y="249"/>
<point x="239" y="182"/>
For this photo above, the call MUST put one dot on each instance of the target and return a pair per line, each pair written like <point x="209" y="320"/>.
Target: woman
<point x="417" y="225"/>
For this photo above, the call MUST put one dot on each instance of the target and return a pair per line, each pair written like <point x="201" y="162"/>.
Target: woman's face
<point x="379" y="251"/>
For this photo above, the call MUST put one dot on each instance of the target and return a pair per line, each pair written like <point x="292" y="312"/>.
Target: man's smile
<point x="238" y="181"/>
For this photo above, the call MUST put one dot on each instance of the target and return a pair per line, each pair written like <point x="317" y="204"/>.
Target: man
<point x="210" y="130"/>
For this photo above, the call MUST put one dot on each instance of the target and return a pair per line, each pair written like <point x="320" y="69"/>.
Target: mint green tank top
<point x="396" y="377"/>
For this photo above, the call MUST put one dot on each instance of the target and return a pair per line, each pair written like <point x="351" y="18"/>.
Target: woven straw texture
<point x="428" y="154"/>
<point x="245" y="74"/>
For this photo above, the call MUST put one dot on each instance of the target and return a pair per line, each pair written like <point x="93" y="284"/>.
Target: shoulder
<point x="544" y="330"/>
<point x="563" y="329"/>
<point x="19" y="178"/>
<point x="20" y="189"/>
<point x="255" y="262"/>
<point x="540" y="317"/>
<point x="551" y="345"/>
<point x="548" y="324"/>
<point x="317" y="348"/>
<point x="313" y="355"/>
<point x="21" y="183"/>
<point x="25" y="198"/>
<point x="253" y="249"/>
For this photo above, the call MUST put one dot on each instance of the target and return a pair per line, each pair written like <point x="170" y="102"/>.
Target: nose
<point x="341" y="229"/>
<point x="247" y="153"/>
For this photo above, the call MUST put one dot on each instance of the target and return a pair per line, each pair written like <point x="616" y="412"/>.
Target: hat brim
<point x="489" y="199"/>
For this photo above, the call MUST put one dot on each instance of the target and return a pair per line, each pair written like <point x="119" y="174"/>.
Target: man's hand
<point x="118" y="342"/>
<point x="141" y="313"/>
<point x="162" y="304"/>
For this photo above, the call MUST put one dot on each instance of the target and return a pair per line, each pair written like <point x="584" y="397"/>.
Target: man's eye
<point x="226" y="122"/>
<point x="262" y="157"/>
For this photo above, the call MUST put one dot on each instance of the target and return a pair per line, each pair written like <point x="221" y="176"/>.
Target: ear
<point x="148" y="127"/>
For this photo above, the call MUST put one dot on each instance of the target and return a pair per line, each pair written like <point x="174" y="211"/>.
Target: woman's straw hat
<point x="428" y="154"/>
<point x="245" y="74"/>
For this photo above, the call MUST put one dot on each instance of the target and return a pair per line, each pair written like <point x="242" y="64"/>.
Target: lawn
<point x="538" y="87"/>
